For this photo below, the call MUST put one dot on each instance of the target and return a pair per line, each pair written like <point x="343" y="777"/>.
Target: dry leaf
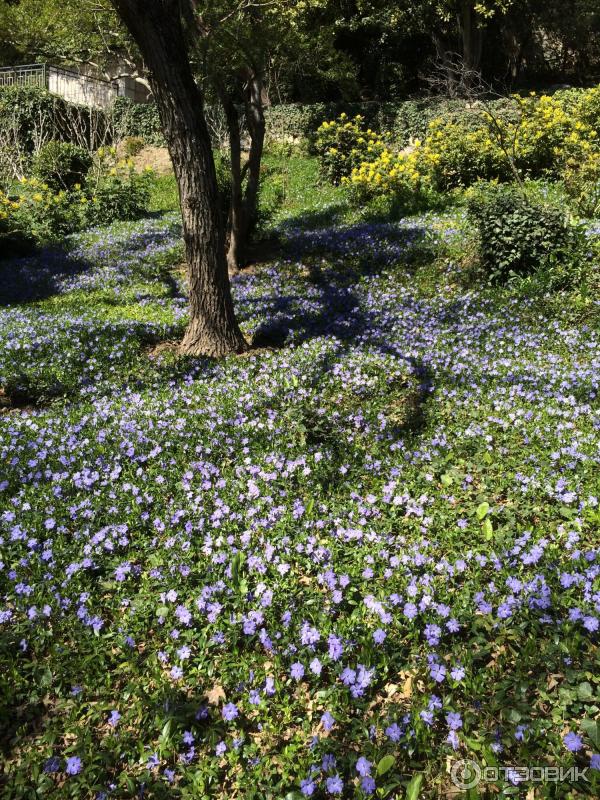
<point x="216" y="693"/>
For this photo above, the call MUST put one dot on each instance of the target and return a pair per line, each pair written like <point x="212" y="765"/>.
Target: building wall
<point x="81" y="89"/>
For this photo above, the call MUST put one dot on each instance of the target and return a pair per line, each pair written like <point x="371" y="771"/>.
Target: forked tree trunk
<point x="244" y="198"/>
<point x="156" y="27"/>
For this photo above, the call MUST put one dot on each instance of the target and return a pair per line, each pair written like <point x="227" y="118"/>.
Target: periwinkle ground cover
<point x="314" y="571"/>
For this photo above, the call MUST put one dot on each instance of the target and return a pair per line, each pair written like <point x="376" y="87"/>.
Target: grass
<point x="329" y="569"/>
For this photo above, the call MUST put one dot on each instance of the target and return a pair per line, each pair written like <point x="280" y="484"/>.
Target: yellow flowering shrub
<point x="581" y="178"/>
<point x="41" y="213"/>
<point x="541" y="136"/>
<point x="399" y="174"/>
<point x="343" y="143"/>
<point x="457" y="155"/>
<point x="34" y="211"/>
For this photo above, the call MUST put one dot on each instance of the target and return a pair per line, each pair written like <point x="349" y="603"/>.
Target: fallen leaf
<point x="216" y="693"/>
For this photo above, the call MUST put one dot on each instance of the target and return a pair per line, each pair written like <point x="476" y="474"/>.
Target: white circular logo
<point x="465" y="774"/>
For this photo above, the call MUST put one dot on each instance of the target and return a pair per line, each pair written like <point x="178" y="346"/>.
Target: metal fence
<point x="72" y="86"/>
<point x="26" y="75"/>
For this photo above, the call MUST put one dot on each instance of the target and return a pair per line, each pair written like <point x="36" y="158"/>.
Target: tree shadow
<point x="56" y="270"/>
<point x="330" y="215"/>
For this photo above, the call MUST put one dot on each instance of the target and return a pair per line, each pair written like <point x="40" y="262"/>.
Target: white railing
<point x="26" y="75"/>
<point x="72" y="86"/>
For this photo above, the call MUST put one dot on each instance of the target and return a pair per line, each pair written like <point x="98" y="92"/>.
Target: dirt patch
<point x="17" y="402"/>
<point x="155" y="158"/>
<point x="256" y="348"/>
<point x="157" y="350"/>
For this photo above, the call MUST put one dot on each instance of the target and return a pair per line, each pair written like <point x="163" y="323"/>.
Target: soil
<point x="156" y="158"/>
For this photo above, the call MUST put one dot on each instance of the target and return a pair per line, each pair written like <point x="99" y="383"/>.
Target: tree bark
<point x="244" y="200"/>
<point x="472" y="39"/>
<point x="235" y="206"/>
<point x="156" y="27"/>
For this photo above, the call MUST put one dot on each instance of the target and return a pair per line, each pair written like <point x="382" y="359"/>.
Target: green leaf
<point x="385" y="764"/>
<point x="414" y="787"/>
<point x="488" y="530"/>
<point x="446" y="479"/>
<point x="482" y="510"/>
<point x="585" y="691"/>
<point x="592" y="731"/>
<point x="236" y="566"/>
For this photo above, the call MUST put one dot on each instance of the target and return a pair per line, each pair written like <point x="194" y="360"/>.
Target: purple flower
<point x="595" y="761"/>
<point x="114" y="718"/>
<point x="230" y="712"/>
<point x="438" y="672"/>
<point x="73" y="766"/>
<point x="297" y="671"/>
<point x="394" y="732"/>
<point x="367" y="784"/>
<point x="379" y="636"/>
<point x="52" y="764"/>
<point x="432" y="634"/>
<point x="335" y="785"/>
<point x="363" y="766"/>
<point x="335" y="647"/>
<point x="454" y="720"/>
<point x="410" y="610"/>
<point x="572" y="742"/>
<point x="328" y="721"/>
<point x="220" y="748"/>
<point x="453" y="739"/>
<point x="307" y="787"/>
<point x="315" y="666"/>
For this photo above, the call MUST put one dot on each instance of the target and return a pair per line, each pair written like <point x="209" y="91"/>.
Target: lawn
<point x="328" y="568"/>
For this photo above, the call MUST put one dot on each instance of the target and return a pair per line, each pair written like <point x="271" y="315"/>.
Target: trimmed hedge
<point x="137" y="120"/>
<point x="300" y="122"/>
<point x="403" y="120"/>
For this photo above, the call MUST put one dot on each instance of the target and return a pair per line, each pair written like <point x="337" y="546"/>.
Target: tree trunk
<point x="255" y="121"/>
<point x="472" y="40"/>
<point x="236" y="202"/>
<point x="244" y="201"/>
<point x="157" y="30"/>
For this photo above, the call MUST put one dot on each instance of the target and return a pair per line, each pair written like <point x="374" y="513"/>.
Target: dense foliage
<point x="316" y="571"/>
<point x="137" y="119"/>
<point x="61" y="165"/>
<point x="519" y="234"/>
<point x="36" y="212"/>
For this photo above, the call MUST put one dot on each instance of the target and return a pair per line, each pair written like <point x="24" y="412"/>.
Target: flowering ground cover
<point x="325" y="569"/>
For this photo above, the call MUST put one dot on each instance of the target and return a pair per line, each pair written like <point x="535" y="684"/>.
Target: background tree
<point x="158" y="30"/>
<point x="239" y="47"/>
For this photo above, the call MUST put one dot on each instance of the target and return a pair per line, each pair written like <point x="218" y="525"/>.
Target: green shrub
<point x="132" y="145"/>
<point x="119" y="197"/>
<point x="138" y="120"/>
<point x="61" y="165"/>
<point x="27" y="112"/>
<point x="519" y="233"/>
